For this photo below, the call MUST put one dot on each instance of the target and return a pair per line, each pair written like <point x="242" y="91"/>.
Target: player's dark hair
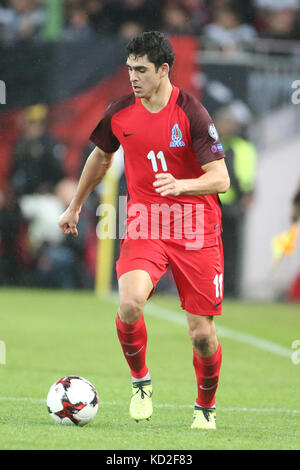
<point x="155" y="45"/>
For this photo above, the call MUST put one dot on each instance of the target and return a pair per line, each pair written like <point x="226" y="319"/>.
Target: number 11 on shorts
<point x="218" y="282"/>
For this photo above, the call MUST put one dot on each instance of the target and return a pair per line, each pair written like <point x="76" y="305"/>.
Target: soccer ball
<point x="72" y="400"/>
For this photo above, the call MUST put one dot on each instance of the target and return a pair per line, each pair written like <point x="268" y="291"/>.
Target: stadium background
<point x="67" y="59"/>
<point x="61" y="64"/>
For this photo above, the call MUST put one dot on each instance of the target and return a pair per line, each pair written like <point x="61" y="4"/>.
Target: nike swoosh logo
<point x="127" y="135"/>
<point x="217" y="304"/>
<point x="135" y="353"/>
<point x="208" y="388"/>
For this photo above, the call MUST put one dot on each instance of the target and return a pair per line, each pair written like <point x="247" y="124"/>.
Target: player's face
<point x="143" y="76"/>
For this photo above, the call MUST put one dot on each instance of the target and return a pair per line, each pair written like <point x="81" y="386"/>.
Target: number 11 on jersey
<point x="160" y="156"/>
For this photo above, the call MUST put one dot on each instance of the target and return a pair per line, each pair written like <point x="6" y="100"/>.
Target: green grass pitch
<point x="49" y="334"/>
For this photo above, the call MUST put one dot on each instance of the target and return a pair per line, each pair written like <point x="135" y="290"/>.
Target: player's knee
<point x="202" y="338"/>
<point x="201" y="341"/>
<point x="131" y="309"/>
<point x="202" y="333"/>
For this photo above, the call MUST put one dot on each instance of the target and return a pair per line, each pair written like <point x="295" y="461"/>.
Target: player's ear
<point x="164" y="69"/>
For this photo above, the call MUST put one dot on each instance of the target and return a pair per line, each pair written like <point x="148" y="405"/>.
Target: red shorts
<point x="198" y="274"/>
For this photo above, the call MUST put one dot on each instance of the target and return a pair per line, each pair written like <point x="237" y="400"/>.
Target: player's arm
<point x="214" y="180"/>
<point x="93" y="172"/>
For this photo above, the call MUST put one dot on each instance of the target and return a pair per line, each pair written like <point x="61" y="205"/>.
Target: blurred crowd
<point x="223" y="24"/>
<point x="33" y="251"/>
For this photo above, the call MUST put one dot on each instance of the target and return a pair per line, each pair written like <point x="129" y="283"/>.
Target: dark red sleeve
<point x="102" y="135"/>
<point x="204" y="136"/>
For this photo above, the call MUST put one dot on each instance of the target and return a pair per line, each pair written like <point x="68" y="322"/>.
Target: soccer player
<point x="175" y="168"/>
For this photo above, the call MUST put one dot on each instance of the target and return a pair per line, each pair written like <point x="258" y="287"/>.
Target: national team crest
<point x="177" y="137"/>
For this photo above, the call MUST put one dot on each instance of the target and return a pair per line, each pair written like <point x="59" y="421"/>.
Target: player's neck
<point x="159" y="99"/>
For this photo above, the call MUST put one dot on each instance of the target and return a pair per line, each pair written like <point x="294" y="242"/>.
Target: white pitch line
<point x="222" y="331"/>
<point x="164" y="313"/>
<point x="162" y="405"/>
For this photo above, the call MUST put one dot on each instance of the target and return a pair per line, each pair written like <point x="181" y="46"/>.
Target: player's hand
<point x="68" y="222"/>
<point x="165" y="184"/>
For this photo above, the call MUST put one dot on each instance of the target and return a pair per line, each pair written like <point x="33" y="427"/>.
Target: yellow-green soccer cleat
<point x="204" y="418"/>
<point x="141" y="401"/>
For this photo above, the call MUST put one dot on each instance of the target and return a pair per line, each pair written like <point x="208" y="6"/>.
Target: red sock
<point x="133" y="339"/>
<point x="207" y="374"/>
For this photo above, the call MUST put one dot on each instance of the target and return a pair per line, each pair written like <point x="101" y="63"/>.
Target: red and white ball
<point x="72" y="400"/>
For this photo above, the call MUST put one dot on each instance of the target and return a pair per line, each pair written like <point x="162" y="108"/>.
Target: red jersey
<point x="179" y="139"/>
